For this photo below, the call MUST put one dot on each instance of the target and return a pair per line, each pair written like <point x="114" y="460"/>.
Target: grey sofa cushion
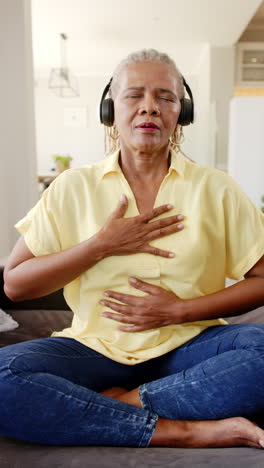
<point x="18" y="454"/>
<point x="37" y="318"/>
<point x="35" y="324"/>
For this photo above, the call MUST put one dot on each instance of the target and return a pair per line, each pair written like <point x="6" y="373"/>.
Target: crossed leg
<point x="206" y="390"/>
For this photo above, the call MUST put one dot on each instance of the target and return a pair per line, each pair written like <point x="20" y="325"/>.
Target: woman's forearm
<point x="237" y="299"/>
<point x="43" y="275"/>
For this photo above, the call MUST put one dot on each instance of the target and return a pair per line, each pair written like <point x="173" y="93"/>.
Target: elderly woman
<point x="141" y="242"/>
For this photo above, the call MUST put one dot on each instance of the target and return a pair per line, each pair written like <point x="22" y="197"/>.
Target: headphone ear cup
<point x="186" y="114"/>
<point x="107" y="112"/>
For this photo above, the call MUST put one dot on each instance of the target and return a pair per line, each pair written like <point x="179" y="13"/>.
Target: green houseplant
<point x="62" y="162"/>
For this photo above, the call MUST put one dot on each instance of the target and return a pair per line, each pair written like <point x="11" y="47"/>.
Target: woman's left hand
<point x="156" y="309"/>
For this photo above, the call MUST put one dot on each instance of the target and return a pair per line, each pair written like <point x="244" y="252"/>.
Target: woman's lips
<point x="147" y="127"/>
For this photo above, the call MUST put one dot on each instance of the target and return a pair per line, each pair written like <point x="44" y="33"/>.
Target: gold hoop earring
<point x="111" y="139"/>
<point x="175" y="141"/>
<point x="177" y="138"/>
<point x="113" y="132"/>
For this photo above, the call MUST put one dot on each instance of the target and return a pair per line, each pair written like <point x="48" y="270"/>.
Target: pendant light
<point x="61" y="81"/>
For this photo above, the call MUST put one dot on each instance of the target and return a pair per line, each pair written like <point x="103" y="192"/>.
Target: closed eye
<point x="135" y="96"/>
<point x="166" y="99"/>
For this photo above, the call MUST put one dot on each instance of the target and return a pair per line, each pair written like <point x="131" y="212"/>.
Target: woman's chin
<point x="144" y="145"/>
<point x="147" y="146"/>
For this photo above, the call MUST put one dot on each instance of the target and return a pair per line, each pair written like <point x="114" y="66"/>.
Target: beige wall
<point x="84" y="144"/>
<point x="18" y="190"/>
<point x="202" y="150"/>
<point x="221" y="91"/>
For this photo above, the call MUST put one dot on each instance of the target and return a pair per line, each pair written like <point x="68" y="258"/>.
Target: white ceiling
<point x="100" y="33"/>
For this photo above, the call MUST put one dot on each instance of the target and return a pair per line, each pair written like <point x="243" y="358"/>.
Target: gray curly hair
<point x="144" y="55"/>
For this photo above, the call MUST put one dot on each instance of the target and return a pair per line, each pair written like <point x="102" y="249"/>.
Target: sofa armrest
<point x="53" y="301"/>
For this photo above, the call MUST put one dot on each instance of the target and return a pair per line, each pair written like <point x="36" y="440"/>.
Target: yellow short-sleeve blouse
<point x="223" y="237"/>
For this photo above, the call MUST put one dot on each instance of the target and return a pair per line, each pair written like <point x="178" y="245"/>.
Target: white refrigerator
<point x="246" y="145"/>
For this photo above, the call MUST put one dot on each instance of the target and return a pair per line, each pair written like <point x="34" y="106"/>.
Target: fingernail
<point x="261" y="442"/>
<point x="122" y="198"/>
<point x="169" y="206"/>
<point x="180" y="226"/>
<point x="171" y="254"/>
<point x="180" y="217"/>
<point x="106" y="294"/>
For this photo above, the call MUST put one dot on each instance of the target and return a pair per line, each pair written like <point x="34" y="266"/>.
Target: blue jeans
<point x="49" y="388"/>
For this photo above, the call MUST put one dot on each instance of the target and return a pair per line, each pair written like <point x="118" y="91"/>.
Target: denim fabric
<point x="45" y="399"/>
<point x="218" y="374"/>
<point x="49" y="388"/>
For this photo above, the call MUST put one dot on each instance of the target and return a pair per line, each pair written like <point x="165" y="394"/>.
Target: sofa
<point x="37" y="318"/>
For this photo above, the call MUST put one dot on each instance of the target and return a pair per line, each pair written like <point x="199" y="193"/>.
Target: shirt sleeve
<point x="244" y="231"/>
<point x="41" y="225"/>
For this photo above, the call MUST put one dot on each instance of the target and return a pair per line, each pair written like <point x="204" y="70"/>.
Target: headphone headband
<point x="106" y="89"/>
<point x="107" y="110"/>
<point x="188" y="89"/>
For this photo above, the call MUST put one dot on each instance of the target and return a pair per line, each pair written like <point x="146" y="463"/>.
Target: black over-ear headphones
<point x="107" y="110"/>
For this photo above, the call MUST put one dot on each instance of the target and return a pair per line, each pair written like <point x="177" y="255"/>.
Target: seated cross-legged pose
<point x="141" y="242"/>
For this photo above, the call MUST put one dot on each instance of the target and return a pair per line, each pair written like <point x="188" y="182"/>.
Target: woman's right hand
<point x="123" y="236"/>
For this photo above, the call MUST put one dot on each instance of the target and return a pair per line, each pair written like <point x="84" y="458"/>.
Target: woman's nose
<point x="149" y="106"/>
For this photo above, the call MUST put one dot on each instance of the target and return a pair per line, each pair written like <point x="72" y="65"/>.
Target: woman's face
<point x="147" y="105"/>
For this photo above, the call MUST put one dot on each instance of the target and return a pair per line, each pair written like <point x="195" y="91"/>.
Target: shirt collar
<point x="177" y="163"/>
<point x="111" y="163"/>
